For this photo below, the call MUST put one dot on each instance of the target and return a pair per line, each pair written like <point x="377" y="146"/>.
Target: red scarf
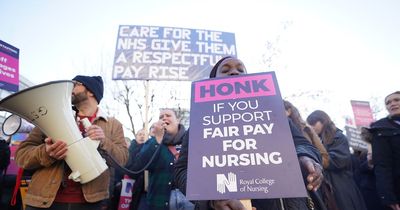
<point x="90" y="118"/>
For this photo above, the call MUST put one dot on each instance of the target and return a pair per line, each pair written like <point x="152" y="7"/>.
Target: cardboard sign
<point x="168" y="53"/>
<point x="126" y="193"/>
<point x="9" y="67"/>
<point x="240" y="143"/>
<point x="362" y="113"/>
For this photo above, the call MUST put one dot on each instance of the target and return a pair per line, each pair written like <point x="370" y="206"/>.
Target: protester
<point x="308" y="155"/>
<point x="5" y="153"/>
<point x="339" y="170"/>
<point x="326" y="194"/>
<point x="128" y="141"/>
<point x="50" y="187"/>
<point x="386" y="153"/>
<point x="366" y="176"/>
<point x="138" y="194"/>
<point x="136" y="144"/>
<point x="293" y="113"/>
<point x="161" y="149"/>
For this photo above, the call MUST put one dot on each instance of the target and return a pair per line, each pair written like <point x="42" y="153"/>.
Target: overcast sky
<point x="347" y="49"/>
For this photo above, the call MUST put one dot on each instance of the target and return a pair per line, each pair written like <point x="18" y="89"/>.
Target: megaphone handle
<point x="86" y="123"/>
<point x="75" y="176"/>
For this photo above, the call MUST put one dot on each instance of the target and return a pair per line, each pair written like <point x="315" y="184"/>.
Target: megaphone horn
<point x="48" y="106"/>
<point x="13" y="124"/>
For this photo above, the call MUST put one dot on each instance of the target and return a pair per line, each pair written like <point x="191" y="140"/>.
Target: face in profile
<point x="79" y="94"/>
<point x="317" y="127"/>
<point x="230" y="67"/>
<point x="392" y="103"/>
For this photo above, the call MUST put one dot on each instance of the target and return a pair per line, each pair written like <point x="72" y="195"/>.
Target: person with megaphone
<point x="53" y="186"/>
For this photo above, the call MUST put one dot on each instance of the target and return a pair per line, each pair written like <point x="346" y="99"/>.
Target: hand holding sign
<point x="242" y="142"/>
<point x="228" y="204"/>
<point x="313" y="171"/>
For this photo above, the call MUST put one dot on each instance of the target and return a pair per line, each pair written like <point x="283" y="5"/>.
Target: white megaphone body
<point x="15" y="124"/>
<point x="48" y="106"/>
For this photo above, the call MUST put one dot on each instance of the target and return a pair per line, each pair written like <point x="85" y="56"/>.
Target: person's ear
<point x="90" y="93"/>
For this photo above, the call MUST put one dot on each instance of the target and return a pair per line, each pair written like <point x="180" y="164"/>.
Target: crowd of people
<point x="333" y="180"/>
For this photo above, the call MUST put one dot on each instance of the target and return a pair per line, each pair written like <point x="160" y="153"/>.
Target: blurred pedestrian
<point x="339" y="170"/>
<point x="386" y="152"/>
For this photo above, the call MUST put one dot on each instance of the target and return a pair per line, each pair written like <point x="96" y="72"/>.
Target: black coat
<point x="303" y="148"/>
<point x="367" y="180"/>
<point x="339" y="173"/>
<point x="386" y="159"/>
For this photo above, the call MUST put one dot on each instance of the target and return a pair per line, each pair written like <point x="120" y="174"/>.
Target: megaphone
<point x="13" y="124"/>
<point x="48" y="106"/>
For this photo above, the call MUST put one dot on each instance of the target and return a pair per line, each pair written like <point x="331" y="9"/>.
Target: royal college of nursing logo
<point x="229" y="182"/>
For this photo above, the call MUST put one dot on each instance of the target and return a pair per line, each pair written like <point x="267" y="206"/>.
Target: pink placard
<point x="234" y="88"/>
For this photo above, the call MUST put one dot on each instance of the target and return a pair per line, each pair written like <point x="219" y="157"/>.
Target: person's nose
<point x="391" y="104"/>
<point x="234" y="72"/>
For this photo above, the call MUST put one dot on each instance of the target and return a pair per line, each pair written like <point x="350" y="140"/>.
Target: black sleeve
<point x="145" y="157"/>
<point x="383" y="158"/>
<point x="180" y="172"/>
<point x="339" y="153"/>
<point x="303" y="146"/>
<point x="134" y="149"/>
